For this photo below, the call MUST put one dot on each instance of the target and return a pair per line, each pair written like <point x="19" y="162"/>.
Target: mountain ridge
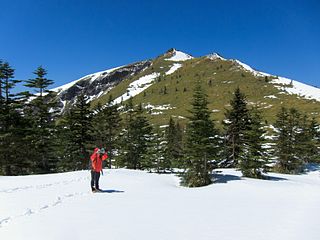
<point x="158" y="77"/>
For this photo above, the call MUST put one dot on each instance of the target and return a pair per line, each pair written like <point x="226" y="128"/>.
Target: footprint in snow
<point x="58" y="201"/>
<point x="4" y="221"/>
<point x="28" y="212"/>
<point x="44" y="207"/>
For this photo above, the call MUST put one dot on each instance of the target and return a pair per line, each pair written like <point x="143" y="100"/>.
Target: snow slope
<point x="295" y="87"/>
<point x="250" y="69"/>
<point x="137" y="87"/>
<point x="143" y="206"/>
<point x="288" y="85"/>
<point x="173" y="68"/>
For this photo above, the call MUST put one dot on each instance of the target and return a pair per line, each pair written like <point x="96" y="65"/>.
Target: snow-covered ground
<point x="139" y="205"/>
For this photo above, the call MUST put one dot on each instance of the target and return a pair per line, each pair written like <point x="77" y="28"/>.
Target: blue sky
<point x="75" y="38"/>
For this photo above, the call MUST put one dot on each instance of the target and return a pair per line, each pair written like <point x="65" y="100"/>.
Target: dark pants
<point x="95" y="179"/>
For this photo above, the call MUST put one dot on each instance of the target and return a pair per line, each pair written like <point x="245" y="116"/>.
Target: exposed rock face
<point x="95" y="85"/>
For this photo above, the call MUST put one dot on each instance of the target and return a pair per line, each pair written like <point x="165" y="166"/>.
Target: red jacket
<point x="97" y="160"/>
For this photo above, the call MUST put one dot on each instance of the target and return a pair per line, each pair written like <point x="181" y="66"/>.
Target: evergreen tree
<point x="106" y="127"/>
<point x="6" y="81"/>
<point x="287" y="147"/>
<point x="11" y="125"/>
<point x="306" y="140"/>
<point x="63" y="145"/>
<point x="201" y="142"/>
<point x="174" y="144"/>
<point x="135" y="138"/>
<point x="40" y="111"/>
<point x="40" y="83"/>
<point x="314" y="147"/>
<point x="77" y="128"/>
<point x="252" y="161"/>
<point x="1" y="79"/>
<point x="235" y="124"/>
<point x="154" y="158"/>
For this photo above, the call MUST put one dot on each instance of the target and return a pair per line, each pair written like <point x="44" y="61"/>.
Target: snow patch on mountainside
<point x="250" y="69"/>
<point x="294" y="87"/>
<point x="271" y="96"/>
<point x="137" y="87"/>
<point x="157" y="109"/>
<point x="174" y="68"/>
<point x="179" y="56"/>
<point x="287" y="85"/>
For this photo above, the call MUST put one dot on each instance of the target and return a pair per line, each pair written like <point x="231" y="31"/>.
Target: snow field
<point x="140" y="205"/>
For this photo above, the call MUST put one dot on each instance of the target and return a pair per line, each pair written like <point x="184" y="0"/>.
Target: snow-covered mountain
<point x="182" y="71"/>
<point x="141" y="205"/>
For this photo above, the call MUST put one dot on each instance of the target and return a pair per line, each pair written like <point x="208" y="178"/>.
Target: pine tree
<point x="235" y="124"/>
<point x="162" y="163"/>
<point x="154" y="158"/>
<point x="287" y="147"/>
<point x="174" y="144"/>
<point x="41" y="112"/>
<point x="1" y="79"/>
<point x="6" y="81"/>
<point x="306" y="139"/>
<point x="106" y="127"/>
<point x="201" y="142"/>
<point x="11" y="125"/>
<point x="77" y="127"/>
<point x="314" y="146"/>
<point x="40" y="83"/>
<point x="135" y="138"/>
<point x="252" y="161"/>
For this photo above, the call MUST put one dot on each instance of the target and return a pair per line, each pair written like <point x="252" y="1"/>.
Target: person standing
<point x="97" y="157"/>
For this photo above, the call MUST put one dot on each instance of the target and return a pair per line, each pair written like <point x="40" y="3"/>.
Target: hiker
<point x="97" y="157"/>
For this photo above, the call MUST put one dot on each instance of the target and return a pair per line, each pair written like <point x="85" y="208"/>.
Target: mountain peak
<point x="177" y="56"/>
<point x="214" y="56"/>
<point x="171" y="50"/>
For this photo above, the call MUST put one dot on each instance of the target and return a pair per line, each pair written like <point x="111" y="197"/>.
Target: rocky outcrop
<point x="95" y="85"/>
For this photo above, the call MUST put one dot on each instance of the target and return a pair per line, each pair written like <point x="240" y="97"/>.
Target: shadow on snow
<point x="224" y="178"/>
<point x="312" y="167"/>
<point x="111" y="191"/>
<point x="271" y="178"/>
<point x="219" y="177"/>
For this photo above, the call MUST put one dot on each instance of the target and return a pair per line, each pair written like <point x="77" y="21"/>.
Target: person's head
<point x="102" y="151"/>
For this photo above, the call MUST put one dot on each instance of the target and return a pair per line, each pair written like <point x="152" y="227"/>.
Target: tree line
<point x="35" y="138"/>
